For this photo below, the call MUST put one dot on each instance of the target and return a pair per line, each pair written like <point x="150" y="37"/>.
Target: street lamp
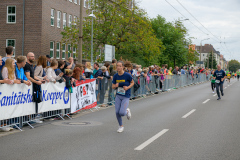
<point x="201" y="50"/>
<point x="93" y="16"/>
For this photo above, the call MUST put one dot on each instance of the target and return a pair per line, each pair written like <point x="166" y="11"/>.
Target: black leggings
<point x="213" y="86"/>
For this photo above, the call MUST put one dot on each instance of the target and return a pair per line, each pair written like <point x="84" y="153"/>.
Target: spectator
<point x="77" y="73"/>
<point x="71" y="63"/>
<point x="69" y="80"/>
<point x="97" y="71"/>
<point x="48" y="60"/>
<point x="9" y="54"/>
<point x="8" y="71"/>
<point x="29" y="70"/>
<point x="114" y="70"/>
<point x="183" y="70"/>
<point x="51" y="75"/>
<point x="175" y="71"/>
<point x="61" y="64"/>
<point x="114" y="61"/>
<point x="40" y="68"/>
<point x="21" y="62"/>
<point x="36" y="82"/>
<point x="8" y="81"/>
<point x="107" y="76"/>
<point x="170" y="71"/>
<point x="88" y="70"/>
<point x="134" y="71"/>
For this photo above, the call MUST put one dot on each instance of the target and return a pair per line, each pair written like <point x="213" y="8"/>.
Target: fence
<point x="106" y="94"/>
<point x="54" y="98"/>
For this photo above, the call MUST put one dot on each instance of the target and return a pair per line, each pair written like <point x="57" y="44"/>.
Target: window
<point x="74" y="52"/>
<point x="64" y="20"/>
<point x="85" y="3"/>
<point x="59" y="13"/>
<point x="69" y="50"/>
<point x="58" y="51"/>
<point x="75" y="20"/>
<point x="52" y="17"/>
<point x="63" y="51"/>
<point x="70" y="21"/>
<point x="11" y="42"/>
<point x="11" y="14"/>
<point x="203" y="54"/>
<point x="51" y="49"/>
<point x="75" y="1"/>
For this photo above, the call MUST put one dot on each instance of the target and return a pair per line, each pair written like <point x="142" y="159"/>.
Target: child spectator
<point x="51" y="75"/>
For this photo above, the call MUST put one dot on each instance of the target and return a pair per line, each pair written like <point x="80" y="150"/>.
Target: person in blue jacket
<point x="21" y="61"/>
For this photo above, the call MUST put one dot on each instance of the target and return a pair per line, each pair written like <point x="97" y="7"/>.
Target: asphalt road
<point x="186" y="124"/>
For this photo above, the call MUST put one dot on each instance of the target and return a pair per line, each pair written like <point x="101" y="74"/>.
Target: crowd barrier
<point x="17" y="108"/>
<point x="146" y="86"/>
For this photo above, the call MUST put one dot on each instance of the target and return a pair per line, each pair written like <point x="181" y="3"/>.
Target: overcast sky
<point x="220" y="17"/>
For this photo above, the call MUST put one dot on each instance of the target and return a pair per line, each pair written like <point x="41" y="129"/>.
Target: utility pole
<point x="80" y="33"/>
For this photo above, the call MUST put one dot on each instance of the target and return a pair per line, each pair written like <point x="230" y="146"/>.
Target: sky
<point x="218" y="20"/>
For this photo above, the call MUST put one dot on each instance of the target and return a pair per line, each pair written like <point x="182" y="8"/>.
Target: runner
<point x="123" y="82"/>
<point x="213" y="82"/>
<point x="229" y="77"/>
<point x="238" y="75"/>
<point x="219" y="75"/>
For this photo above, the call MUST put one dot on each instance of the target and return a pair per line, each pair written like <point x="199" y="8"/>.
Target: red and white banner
<point x="83" y="96"/>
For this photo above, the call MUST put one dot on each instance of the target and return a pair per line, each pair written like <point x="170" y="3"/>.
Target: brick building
<point x="36" y="25"/>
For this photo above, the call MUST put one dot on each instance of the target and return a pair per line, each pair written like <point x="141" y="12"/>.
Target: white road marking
<point x="189" y="113"/>
<point x="214" y="95"/>
<point x="206" y="101"/>
<point x="145" y="144"/>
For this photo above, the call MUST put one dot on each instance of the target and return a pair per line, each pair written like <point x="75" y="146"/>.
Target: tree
<point x="210" y="61"/>
<point x="173" y="37"/>
<point x="192" y="56"/>
<point x="234" y="65"/>
<point x="129" y="30"/>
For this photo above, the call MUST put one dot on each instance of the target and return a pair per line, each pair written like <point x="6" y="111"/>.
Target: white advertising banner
<point x="54" y="97"/>
<point x="15" y="101"/>
<point x="83" y="96"/>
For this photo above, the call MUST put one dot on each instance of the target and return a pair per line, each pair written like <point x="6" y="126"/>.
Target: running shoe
<point x="218" y="98"/>
<point x="213" y="92"/>
<point x="129" y="115"/>
<point x="120" y="129"/>
<point x="222" y="94"/>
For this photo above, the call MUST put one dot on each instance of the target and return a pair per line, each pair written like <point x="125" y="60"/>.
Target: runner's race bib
<point x="217" y="81"/>
<point x="121" y="91"/>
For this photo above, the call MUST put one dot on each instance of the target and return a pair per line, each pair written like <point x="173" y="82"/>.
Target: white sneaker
<point x="129" y="115"/>
<point x="120" y="129"/>
<point x="38" y="121"/>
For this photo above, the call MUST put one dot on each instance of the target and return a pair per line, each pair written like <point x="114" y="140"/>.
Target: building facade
<point x="36" y="26"/>
<point x="204" y="52"/>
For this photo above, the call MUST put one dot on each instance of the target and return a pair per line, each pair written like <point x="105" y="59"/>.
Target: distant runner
<point x="213" y="82"/>
<point x="219" y="75"/>
<point x="238" y="75"/>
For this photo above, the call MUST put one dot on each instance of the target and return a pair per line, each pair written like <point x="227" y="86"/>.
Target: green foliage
<point x="210" y="55"/>
<point x="234" y="65"/>
<point x="129" y="30"/>
<point x="173" y="37"/>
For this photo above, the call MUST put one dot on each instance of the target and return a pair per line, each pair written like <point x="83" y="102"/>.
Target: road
<point x="186" y="124"/>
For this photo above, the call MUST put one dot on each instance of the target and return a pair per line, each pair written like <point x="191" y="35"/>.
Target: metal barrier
<point x="106" y="95"/>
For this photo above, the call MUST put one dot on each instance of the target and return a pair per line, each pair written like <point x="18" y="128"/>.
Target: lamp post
<point x="201" y="50"/>
<point x="93" y="16"/>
